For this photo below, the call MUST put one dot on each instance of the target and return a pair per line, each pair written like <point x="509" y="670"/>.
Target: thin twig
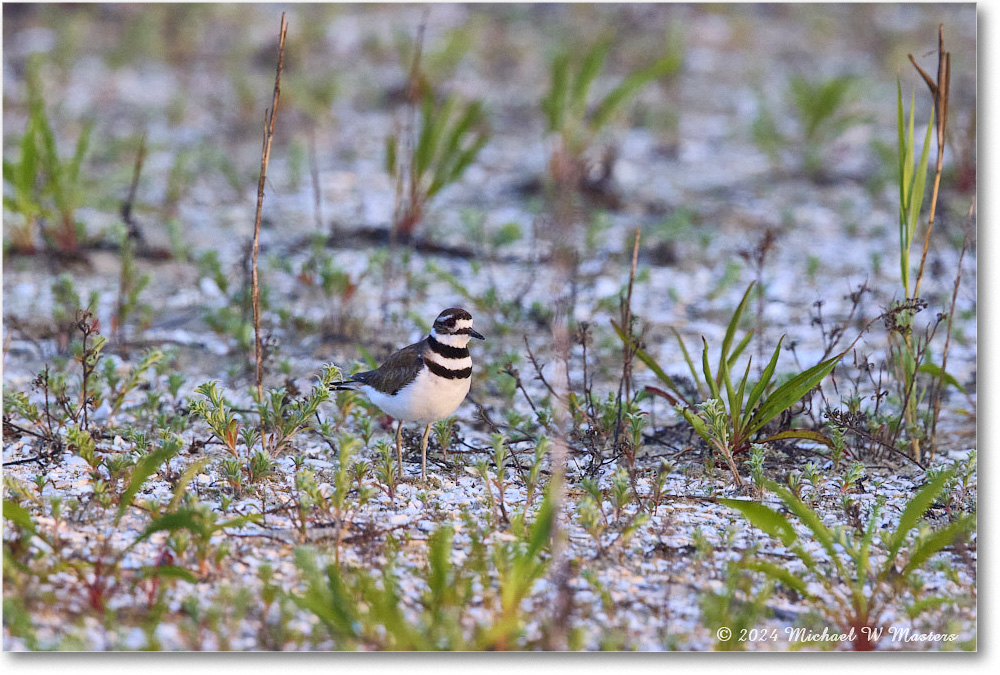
<point x="265" y="156"/>
<point x="513" y="372"/>
<point x="947" y="344"/>
<point x="538" y="370"/>
<point x="126" y="211"/>
<point x="628" y="351"/>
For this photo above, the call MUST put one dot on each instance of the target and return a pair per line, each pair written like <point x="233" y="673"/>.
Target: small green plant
<point x="757" y="452"/>
<point x="218" y="415"/>
<point x="907" y="350"/>
<point x="443" y="433"/>
<point x="386" y="471"/>
<point x="131" y="284"/>
<point x="202" y="525"/>
<point x="858" y="583"/>
<point x="280" y="418"/>
<point x="67" y="304"/>
<point x="118" y="388"/>
<point x="572" y="114"/>
<point x="821" y="111"/>
<point x="741" y="409"/>
<point x="233" y="316"/>
<point x="450" y="138"/>
<point x="44" y="186"/>
<point x="24" y="201"/>
<point x="532" y="479"/>
<point x="912" y="182"/>
<point x="359" y="608"/>
<point x="591" y="516"/>
<point x="498" y="480"/>
<point x="738" y="607"/>
<point x="820" y="107"/>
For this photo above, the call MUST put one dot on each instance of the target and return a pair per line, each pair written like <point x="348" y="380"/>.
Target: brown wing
<point x="398" y="370"/>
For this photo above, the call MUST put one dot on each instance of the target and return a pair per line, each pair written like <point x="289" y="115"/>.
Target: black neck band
<point x="447" y="351"/>
<point x="448" y="373"/>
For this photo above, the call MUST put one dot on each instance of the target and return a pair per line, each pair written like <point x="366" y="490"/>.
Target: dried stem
<point x="129" y="202"/>
<point x="631" y="344"/>
<point x="265" y="156"/>
<point x="132" y="233"/>
<point x="538" y="372"/>
<point x="947" y="343"/>
<point x="939" y="92"/>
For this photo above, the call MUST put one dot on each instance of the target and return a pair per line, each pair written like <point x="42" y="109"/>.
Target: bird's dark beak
<point x="476" y="334"/>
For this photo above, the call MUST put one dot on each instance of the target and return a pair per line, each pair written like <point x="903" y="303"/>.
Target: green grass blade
<point x="804" y="434"/>
<point x="740" y="348"/>
<point x="765" y="379"/>
<point x="18" y="515"/>
<point x="920" y="182"/>
<point x="866" y="542"/>
<point x="713" y="386"/>
<point x="145" y="468"/>
<point x="730" y="395"/>
<point x="630" y="86"/>
<point x="937" y="541"/>
<point x="592" y="64"/>
<point x="167" y="572"/>
<point x="779" y="574"/>
<point x="470" y="116"/>
<point x="764" y="518"/>
<point x="554" y="104"/>
<point x="935" y="371"/>
<point x="901" y="130"/>
<point x="190" y="472"/>
<point x="698" y="425"/>
<point x="785" y="396"/>
<point x="690" y="364"/>
<point x="651" y="363"/>
<point x="82" y="145"/>
<point x="807" y="517"/>
<point x="734" y="321"/>
<point x="541" y="529"/>
<point x="182" y="519"/>
<point x="739" y="413"/>
<point x="439" y="562"/>
<point x="915" y="510"/>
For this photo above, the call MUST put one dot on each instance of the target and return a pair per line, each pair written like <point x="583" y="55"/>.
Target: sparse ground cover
<point x="725" y="386"/>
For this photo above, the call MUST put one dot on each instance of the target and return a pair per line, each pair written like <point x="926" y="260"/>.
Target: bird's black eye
<point x="450" y="323"/>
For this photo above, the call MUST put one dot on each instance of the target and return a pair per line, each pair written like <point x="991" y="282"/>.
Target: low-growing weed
<point x="861" y="575"/>
<point x="359" y="608"/>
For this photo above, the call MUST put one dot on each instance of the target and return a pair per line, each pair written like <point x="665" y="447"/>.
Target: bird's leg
<point x="399" y="447"/>
<point x="423" y="451"/>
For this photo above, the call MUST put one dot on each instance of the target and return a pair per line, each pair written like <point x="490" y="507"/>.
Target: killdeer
<point x="425" y="381"/>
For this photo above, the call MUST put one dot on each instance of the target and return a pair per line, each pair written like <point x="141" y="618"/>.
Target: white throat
<point x="460" y="340"/>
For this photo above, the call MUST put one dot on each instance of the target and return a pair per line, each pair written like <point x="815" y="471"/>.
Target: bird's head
<point x="454" y="327"/>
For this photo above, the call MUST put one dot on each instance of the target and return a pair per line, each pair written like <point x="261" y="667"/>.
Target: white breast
<point x="427" y="399"/>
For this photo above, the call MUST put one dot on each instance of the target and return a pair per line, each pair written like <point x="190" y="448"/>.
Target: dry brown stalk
<point x="947" y="341"/>
<point x="627" y="321"/>
<point x="134" y="188"/>
<point x="939" y="92"/>
<point x="265" y="156"/>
